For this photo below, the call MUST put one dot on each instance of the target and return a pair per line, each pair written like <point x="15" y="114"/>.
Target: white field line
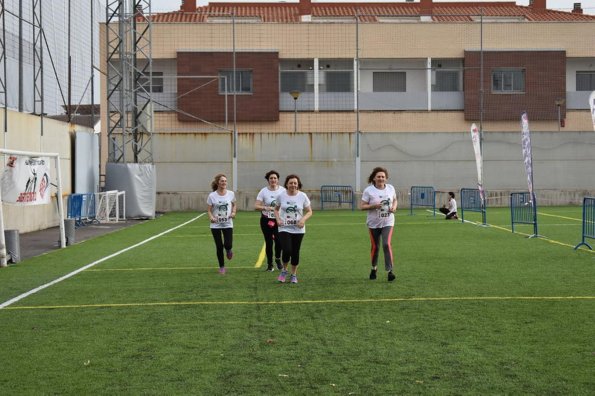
<point x="73" y="273"/>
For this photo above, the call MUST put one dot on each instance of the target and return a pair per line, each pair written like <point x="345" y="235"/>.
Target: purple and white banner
<point x="592" y="107"/>
<point x="475" y="138"/>
<point x="26" y="180"/>
<point x="526" y="145"/>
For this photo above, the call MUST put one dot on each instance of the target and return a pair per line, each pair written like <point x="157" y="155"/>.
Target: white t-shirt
<point x="291" y="210"/>
<point x="452" y="206"/>
<point x="269" y="198"/>
<point x="379" y="218"/>
<point x="221" y="208"/>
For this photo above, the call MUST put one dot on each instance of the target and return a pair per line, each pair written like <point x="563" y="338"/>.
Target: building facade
<point x="329" y="90"/>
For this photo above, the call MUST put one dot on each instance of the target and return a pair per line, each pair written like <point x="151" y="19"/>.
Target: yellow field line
<point x="338" y="301"/>
<point x="261" y="257"/>
<point x="540" y="237"/>
<point x="161" y="269"/>
<point x="562" y="217"/>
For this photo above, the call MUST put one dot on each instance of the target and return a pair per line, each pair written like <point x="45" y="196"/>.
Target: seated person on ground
<point x="450" y="210"/>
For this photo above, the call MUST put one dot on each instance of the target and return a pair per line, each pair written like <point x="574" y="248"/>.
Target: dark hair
<point x="271" y="172"/>
<point x="375" y="171"/>
<point x="293" y="177"/>
<point x="215" y="182"/>
<point x="452" y="195"/>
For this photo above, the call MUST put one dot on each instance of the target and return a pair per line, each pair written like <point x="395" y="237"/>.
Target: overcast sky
<point x="563" y="5"/>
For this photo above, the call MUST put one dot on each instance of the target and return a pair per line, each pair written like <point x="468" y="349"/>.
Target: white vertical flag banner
<point x="26" y="180"/>
<point x="592" y="106"/>
<point x="527" y="155"/>
<point x="475" y="138"/>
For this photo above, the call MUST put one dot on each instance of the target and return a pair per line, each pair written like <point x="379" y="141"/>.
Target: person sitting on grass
<point x="450" y="210"/>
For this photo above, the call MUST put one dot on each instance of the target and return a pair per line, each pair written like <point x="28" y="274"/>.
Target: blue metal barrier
<point x="81" y="208"/>
<point x="588" y="221"/>
<point x="471" y="202"/>
<point x="74" y="208"/>
<point x="422" y="196"/>
<point x="88" y="207"/>
<point x="523" y="210"/>
<point x="337" y="194"/>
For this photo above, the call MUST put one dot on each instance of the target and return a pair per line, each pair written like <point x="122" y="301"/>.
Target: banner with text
<point x="26" y="180"/>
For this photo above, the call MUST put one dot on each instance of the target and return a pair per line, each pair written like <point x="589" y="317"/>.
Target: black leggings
<point x="223" y="239"/>
<point x="445" y="211"/>
<point x="271" y="235"/>
<point x="291" y="243"/>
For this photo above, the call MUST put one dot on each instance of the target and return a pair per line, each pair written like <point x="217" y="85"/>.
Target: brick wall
<point x="201" y="98"/>
<point x="545" y="82"/>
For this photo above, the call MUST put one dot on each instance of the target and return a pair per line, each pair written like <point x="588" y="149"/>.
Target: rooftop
<point x="282" y="12"/>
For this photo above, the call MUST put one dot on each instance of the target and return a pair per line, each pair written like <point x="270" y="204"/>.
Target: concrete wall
<point x="563" y="164"/>
<point x="24" y="134"/>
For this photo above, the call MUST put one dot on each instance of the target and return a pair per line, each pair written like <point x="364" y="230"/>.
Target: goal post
<point x="56" y="158"/>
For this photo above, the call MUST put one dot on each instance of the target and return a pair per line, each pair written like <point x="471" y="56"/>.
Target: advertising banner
<point x="26" y="180"/>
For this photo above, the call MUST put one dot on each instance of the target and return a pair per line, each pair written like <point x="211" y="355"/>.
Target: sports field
<point x="474" y="310"/>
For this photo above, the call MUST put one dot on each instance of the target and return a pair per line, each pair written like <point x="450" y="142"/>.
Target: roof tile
<point x="441" y="12"/>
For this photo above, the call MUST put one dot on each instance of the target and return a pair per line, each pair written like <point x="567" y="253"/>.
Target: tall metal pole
<point x="357" y="125"/>
<point x="3" y="58"/>
<point x="20" y="64"/>
<point x="69" y="66"/>
<point x="481" y="109"/>
<point x="235" y="108"/>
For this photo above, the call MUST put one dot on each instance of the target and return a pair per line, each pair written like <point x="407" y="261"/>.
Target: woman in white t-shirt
<point x="221" y="207"/>
<point x="266" y="200"/>
<point x="380" y="200"/>
<point x="450" y="211"/>
<point x="292" y="210"/>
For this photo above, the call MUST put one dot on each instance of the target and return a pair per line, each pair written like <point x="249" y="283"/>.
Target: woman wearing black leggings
<point x="265" y="202"/>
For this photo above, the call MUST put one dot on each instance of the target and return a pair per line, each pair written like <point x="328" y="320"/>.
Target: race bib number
<point x="221" y="219"/>
<point x="291" y="222"/>
<point x="270" y="214"/>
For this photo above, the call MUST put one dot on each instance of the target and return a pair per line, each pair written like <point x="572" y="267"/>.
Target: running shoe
<point x="373" y="274"/>
<point x="294" y="279"/>
<point x="270" y="268"/>
<point x="391" y="276"/>
<point x="222" y="270"/>
<point x="282" y="276"/>
<point x="229" y="254"/>
<point x="279" y="265"/>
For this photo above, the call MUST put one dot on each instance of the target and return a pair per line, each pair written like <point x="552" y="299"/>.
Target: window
<point x="585" y="80"/>
<point x="338" y="81"/>
<point x="143" y="81"/>
<point x="446" y="81"/>
<point x="243" y="81"/>
<point x="508" y="80"/>
<point x="295" y="81"/>
<point x="389" y="81"/>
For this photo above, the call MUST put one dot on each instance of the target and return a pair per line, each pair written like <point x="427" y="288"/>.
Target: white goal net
<point x="110" y="206"/>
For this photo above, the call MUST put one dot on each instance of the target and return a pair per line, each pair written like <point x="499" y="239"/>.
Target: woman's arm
<point x="210" y="212"/>
<point x="307" y="214"/>
<point x="259" y="205"/>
